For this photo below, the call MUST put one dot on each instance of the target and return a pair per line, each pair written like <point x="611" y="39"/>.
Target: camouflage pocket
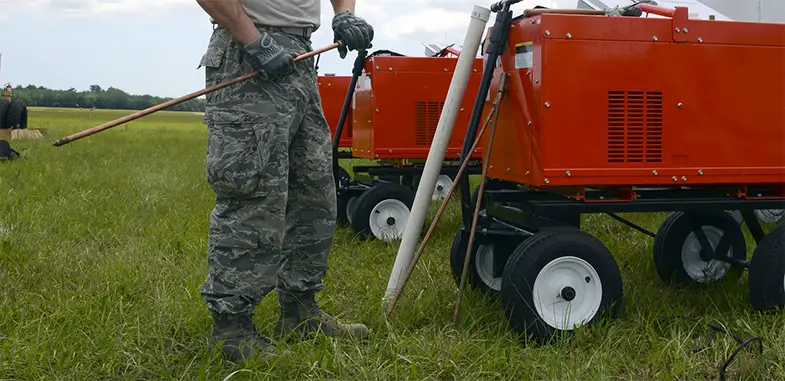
<point x="216" y="49"/>
<point x="235" y="165"/>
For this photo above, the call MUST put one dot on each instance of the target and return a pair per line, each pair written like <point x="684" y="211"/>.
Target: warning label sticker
<point x="524" y="55"/>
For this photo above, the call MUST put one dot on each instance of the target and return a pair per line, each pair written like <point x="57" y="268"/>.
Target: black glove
<point x="266" y="55"/>
<point x="353" y="31"/>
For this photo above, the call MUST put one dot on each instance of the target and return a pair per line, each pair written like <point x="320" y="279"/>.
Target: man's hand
<point x="266" y="55"/>
<point x="353" y="31"/>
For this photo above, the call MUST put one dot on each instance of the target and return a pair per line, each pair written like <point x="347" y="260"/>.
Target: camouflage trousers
<point x="269" y="162"/>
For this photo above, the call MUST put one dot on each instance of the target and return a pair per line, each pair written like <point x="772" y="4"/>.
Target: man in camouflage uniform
<point x="269" y="162"/>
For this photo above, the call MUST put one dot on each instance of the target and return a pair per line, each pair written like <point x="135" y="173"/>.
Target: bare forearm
<point x="343" y="5"/>
<point x="230" y="15"/>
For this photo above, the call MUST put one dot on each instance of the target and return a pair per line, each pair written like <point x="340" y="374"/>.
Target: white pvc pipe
<point x="441" y="139"/>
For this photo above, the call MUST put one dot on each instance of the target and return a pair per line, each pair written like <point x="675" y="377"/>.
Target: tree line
<point x="97" y="97"/>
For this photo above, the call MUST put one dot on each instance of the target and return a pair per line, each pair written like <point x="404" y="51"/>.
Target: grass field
<point x="102" y="254"/>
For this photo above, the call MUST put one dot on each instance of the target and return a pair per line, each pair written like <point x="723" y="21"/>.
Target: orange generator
<point x="615" y="111"/>
<point x="396" y="107"/>
<point x="332" y="90"/>
<point x="398" y="103"/>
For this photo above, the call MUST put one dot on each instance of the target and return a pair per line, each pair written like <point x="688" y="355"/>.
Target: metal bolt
<point x="680" y="105"/>
<point x="377" y="67"/>
<point x="474" y="70"/>
<point x="569" y="174"/>
<point x="678" y="30"/>
<point x="390" y="151"/>
<point x="536" y="81"/>
<point x="527" y="173"/>
<point x="547" y="181"/>
<point x="377" y="155"/>
<point x="700" y="39"/>
<point x="508" y="169"/>
<point x="389" y="68"/>
<point x="461" y="109"/>
<point x="547" y="104"/>
<point x="655" y="38"/>
<point x="684" y="178"/>
<point x="490" y="167"/>
<point x="547" y="32"/>
<point x="700" y="172"/>
<point x="445" y="69"/>
<point x="654" y="172"/>
<point x="530" y="123"/>
<point x="569" y="35"/>
<point x="685" y="30"/>
<point x="329" y="84"/>
<point x="675" y="178"/>
<point x="377" y="110"/>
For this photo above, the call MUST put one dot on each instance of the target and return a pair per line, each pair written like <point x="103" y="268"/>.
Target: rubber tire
<point x="16" y="117"/>
<point x="342" y="199"/>
<point x="457" y="252"/>
<point x="674" y="231"/>
<point x="373" y="196"/>
<point x="5" y="104"/>
<point x="528" y="260"/>
<point x="767" y="271"/>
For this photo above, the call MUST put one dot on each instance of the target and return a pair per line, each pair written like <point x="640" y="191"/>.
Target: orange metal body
<point x="398" y="104"/>
<point x="623" y="101"/>
<point x="332" y="90"/>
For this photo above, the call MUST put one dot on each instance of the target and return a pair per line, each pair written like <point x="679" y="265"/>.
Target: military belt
<point x="297" y="31"/>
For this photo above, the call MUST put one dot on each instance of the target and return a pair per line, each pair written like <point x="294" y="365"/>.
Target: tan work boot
<point x="301" y="314"/>
<point x="239" y="337"/>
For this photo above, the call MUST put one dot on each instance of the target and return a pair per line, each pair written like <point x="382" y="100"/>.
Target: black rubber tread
<point x="16" y="118"/>
<point x="767" y="271"/>
<point x="370" y="198"/>
<point x="532" y="255"/>
<point x="676" y="228"/>
<point x="5" y="104"/>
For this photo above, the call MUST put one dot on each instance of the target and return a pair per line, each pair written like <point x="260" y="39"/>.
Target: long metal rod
<point x="421" y="248"/>
<point x="170" y="103"/>
<point x="477" y="203"/>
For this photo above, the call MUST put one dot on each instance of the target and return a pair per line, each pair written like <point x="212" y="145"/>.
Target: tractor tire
<point x="5" y="104"/>
<point x="17" y="115"/>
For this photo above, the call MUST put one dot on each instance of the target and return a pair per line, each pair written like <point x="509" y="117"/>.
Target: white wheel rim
<point x="443" y="184"/>
<point x="770" y="216"/>
<point x="483" y="263"/>
<point x="698" y="269"/>
<point x="349" y="209"/>
<point x="567" y="293"/>
<point x="388" y="220"/>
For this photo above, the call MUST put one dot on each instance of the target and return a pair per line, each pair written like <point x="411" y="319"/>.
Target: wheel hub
<point x="483" y="263"/>
<point x="568" y="293"/>
<point x="698" y="264"/>
<point x="388" y="219"/>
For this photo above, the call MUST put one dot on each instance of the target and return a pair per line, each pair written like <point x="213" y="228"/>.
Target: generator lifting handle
<point x="503" y="5"/>
<point x="657" y="10"/>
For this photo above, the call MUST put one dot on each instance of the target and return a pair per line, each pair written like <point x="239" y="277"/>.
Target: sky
<point x="154" y="46"/>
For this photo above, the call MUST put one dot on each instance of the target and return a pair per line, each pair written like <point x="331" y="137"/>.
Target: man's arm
<point x="230" y="15"/>
<point x="343" y="5"/>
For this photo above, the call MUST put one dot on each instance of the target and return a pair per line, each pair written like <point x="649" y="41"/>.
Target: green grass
<point x="102" y="254"/>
